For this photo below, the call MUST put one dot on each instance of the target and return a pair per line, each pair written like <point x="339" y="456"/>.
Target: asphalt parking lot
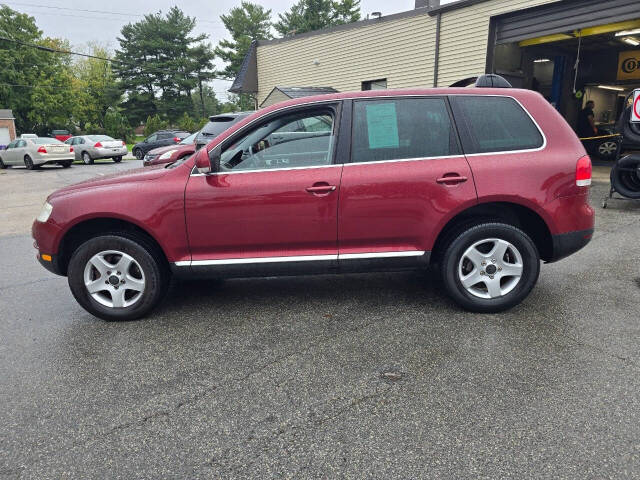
<point x="359" y="376"/>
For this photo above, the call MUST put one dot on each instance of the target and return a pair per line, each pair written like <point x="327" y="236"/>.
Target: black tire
<point x="630" y="131"/>
<point x="117" y="159"/>
<point x="470" y="235"/>
<point x="66" y="164"/>
<point x="155" y="273"/>
<point x="86" y="158"/>
<point x="29" y="163"/>
<point x="2" y="165"/>
<point x="625" y="176"/>
<point x="138" y="153"/>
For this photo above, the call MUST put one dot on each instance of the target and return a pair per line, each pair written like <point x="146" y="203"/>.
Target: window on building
<point x="496" y="124"/>
<point x="396" y="129"/>
<point x="380" y="84"/>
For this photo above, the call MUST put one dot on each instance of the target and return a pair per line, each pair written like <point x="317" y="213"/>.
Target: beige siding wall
<point x="464" y="37"/>
<point x="399" y="50"/>
<point x="274" y="97"/>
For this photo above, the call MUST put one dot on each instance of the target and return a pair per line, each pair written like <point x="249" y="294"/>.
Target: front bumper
<point x="45" y="236"/>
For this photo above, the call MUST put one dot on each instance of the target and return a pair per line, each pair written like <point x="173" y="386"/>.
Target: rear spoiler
<point x="489" y="80"/>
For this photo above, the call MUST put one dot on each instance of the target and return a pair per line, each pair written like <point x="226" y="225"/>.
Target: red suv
<point x="482" y="182"/>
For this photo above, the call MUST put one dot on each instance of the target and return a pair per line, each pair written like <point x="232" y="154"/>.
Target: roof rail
<point x="491" y="80"/>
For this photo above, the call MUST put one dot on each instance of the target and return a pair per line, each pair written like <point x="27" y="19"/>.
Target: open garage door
<point x="561" y="18"/>
<point x="582" y="55"/>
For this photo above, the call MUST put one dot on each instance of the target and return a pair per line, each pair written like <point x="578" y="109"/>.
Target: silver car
<point x="34" y="152"/>
<point x="92" y="147"/>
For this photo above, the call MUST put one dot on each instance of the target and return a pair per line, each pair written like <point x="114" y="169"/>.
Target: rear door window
<point x="495" y="124"/>
<point x="402" y="128"/>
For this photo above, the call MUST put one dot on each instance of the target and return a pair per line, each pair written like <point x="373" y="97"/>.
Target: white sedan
<point x="35" y="152"/>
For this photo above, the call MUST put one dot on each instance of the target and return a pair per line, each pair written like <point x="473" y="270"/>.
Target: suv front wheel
<point x="490" y="267"/>
<point x="117" y="277"/>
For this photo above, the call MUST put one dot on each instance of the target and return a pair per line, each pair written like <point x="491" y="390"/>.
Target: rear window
<point x="99" y="138"/>
<point x="397" y="129"/>
<point x="495" y="124"/>
<point x="217" y="126"/>
<point x="44" y="140"/>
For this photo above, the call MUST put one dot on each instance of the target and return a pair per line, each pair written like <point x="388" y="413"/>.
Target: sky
<point x="70" y="19"/>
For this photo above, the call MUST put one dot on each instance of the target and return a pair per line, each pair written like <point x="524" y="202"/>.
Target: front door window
<point x="291" y="141"/>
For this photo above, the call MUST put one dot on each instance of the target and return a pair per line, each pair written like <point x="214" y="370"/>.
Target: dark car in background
<point x="217" y="124"/>
<point x="171" y="153"/>
<point x="161" y="138"/>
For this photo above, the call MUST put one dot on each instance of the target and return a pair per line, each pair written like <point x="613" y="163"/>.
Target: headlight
<point x="166" y="155"/>
<point x="45" y="213"/>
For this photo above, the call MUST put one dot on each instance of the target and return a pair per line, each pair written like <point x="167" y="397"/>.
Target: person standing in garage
<point x="586" y="121"/>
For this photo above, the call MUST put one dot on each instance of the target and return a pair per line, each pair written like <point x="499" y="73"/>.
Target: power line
<point x="125" y="14"/>
<point x="96" y="57"/>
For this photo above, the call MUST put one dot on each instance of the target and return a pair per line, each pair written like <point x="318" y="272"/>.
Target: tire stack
<point x="625" y="175"/>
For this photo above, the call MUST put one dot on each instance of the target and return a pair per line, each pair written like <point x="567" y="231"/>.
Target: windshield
<point x="189" y="140"/>
<point x="45" y="141"/>
<point x="99" y="138"/>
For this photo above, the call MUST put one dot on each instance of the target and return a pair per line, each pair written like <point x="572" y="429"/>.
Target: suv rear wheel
<point x="117" y="277"/>
<point x="490" y="267"/>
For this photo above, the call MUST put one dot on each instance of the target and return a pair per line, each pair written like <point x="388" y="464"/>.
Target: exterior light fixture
<point x="610" y="87"/>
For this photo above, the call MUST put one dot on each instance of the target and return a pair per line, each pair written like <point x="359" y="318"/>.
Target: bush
<point x="187" y="123"/>
<point x="116" y="125"/>
<point x="201" y="123"/>
<point x="154" y="124"/>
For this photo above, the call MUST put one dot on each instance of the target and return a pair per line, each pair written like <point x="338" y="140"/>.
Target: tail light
<point x="176" y="139"/>
<point x="124" y="144"/>
<point x="98" y="145"/>
<point x="70" y="149"/>
<point x="583" y="172"/>
<point x="42" y="150"/>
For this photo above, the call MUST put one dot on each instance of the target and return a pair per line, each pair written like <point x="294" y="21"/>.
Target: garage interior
<point x="572" y="53"/>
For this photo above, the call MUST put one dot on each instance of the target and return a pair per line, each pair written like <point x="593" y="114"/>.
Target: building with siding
<point x="438" y="45"/>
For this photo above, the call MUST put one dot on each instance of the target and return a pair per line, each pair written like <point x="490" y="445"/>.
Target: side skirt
<point x="295" y="266"/>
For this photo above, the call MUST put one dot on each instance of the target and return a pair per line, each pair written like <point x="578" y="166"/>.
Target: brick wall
<point x="11" y="125"/>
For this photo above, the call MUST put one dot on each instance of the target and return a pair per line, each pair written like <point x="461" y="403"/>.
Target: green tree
<point x="35" y="84"/>
<point x="116" y="125"/>
<point x="187" y="123"/>
<point x="245" y="23"/>
<point x="153" y="124"/>
<point x="310" y="15"/>
<point x="95" y="88"/>
<point x="208" y="100"/>
<point x="160" y="62"/>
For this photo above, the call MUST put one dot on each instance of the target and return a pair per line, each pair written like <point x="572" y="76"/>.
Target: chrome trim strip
<point x="240" y="261"/>
<point x="303" y="258"/>
<point x="404" y="160"/>
<point x="355" y="256"/>
<point x="264" y="170"/>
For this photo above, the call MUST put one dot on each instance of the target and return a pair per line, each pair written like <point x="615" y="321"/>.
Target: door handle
<point x="320" y="189"/>
<point x="451" y="179"/>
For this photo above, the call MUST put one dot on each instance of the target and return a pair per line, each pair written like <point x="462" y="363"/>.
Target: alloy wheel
<point x="86" y="158"/>
<point x="490" y="268"/>
<point x="114" y="279"/>
<point x="607" y="149"/>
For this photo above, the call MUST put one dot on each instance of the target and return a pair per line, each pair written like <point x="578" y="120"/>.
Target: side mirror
<point x="203" y="164"/>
